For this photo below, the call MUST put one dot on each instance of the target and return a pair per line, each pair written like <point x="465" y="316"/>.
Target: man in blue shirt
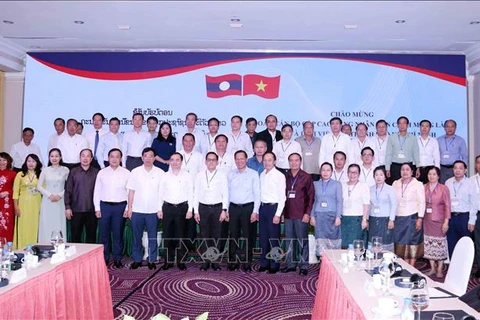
<point x="244" y="196"/>
<point x="452" y="148"/>
<point x="256" y="162"/>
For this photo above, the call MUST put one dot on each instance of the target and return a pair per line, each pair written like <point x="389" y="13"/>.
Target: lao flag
<point x="265" y="87"/>
<point x="222" y="86"/>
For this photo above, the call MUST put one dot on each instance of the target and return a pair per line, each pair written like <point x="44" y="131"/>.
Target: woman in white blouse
<point x="356" y="203"/>
<point x="408" y="232"/>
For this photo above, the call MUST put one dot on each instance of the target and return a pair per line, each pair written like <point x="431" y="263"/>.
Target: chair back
<point x="460" y="267"/>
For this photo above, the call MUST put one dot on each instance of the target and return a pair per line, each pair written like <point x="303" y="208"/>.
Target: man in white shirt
<point x="79" y="128"/>
<point x="71" y="144"/>
<point x="333" y="142"/>
<point x="143" y="207"/>
<point x="339" y="170"/>
<point x="134" y="142"/>
<point x="110" y="200"/>
<point x="110" y="140"/>
<point x="193" y="163"/>
<point x="207" y="142"/>
<point x="272" y="197"/>
<point x="284" y="148"/>
<point x="476" y="180"/>
<point x="59" y="125"/>
<point x="225" y="158"/>
<point x="347" y="129"/>
<point x="361" y="141"/>
<point x="152" y="123"/>
<point x="464" y="203"/>
<point x="22" y="149"/>
<point x="381" y="141"/>
<point x="366" y="167"/>
<point x="210" y="208"/>
<point x="190" y="122"/>
<point x="244" y="193"/>
<point x="238" y="140"/>
<point x="176" y="201"/>
<point x="93" y="137"/>
<point x="429" y="151"/>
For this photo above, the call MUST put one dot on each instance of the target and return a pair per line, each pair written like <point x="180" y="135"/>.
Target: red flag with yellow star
<point x="265" y="87"/>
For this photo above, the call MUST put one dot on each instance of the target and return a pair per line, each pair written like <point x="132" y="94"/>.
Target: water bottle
<point x="351" y="255"/>
<point x="5" y="266"/>
<point x="28" y="256"/>
<point x="407" y="311"/>
<point x="10" y="254"/>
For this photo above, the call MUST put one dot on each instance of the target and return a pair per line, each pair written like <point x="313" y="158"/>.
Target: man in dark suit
<point x="271" y="134"/>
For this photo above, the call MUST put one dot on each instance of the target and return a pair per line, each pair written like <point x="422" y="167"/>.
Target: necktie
<point x="97" y="138"/>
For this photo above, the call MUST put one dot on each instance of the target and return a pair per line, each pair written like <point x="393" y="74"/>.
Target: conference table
<point x="77" y="288"/>
<point x="343" y="295"/>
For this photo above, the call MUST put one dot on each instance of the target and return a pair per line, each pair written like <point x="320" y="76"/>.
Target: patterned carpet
<point x="230" y="295"/>
<point x="143" y="293"/>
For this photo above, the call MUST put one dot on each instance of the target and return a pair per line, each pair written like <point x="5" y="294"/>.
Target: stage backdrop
<point x="294" y="86"/>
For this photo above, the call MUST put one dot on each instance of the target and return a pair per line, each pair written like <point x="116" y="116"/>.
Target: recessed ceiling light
<point x="472" y="22"/>
<point x="79" y="22"/>
<point x="35" y="47"/>
<point x="7" y="22"/>
<point x="123" y="27"/>
<point x="235" y="22"/>
<point x="351" y="26"/>
<point x="400" y="21"/>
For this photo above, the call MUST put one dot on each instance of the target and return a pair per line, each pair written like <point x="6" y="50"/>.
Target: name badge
<point x="429" y="210"/>
<point x="455" y="202"/>
<point x="291" y="194"/>
<point x="32" y="190"/>
<point x="376" y="209"/>
<point x="323" y="204"/>
<point x="402" y="204"/>
<point x="446" y="156"/>
<point x="281" y="158"/>
<point x="308" y="153"/>
<point x="347" y="204"/>
<point x="401" y="155"/>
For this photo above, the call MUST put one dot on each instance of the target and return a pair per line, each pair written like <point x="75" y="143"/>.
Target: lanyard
<point x="366" y="175"/>
<point x="421" y="141"/>
<point x="188" y="160"/>
<point x="380" y="144"/>
<point x="341" y="174"/>
<point x="430" y="193"/>
<point x="309" y="144"/>
<point x="335" y="140"/>
<point x="285" y="149"/>
<point x="400" y="141"/>
<point x="455" y="190"/>
<point x="209" y="141"/>
<point x="294" y="181"/>
<point x="448" y="144"/>
<point x="209" y="181"/>
<point x="351" y="190"/>
<point x="235" y="140"/>
<point x="325" y="186"/>
<point x="377" y="193"/>
<point x="361" y="145"/>
<point x="404" y="187"/>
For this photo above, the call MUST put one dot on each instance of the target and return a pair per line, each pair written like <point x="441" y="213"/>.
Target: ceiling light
<point x="35" y="47"/>
<point x="472" y="22"/>
<point x="236" y="23"/>
<point x="351" y="26"/>
<point x="79" y="22"/>
<point x="123" y="27"/>
<point x="400" y="21"/>
<point x="7" y="22"/>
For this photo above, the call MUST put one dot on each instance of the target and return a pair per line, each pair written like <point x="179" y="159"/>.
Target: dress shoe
<point x="262" y="269"/>
<point x="273" y="270"/>
<point x="152" y="266"/>
<point x="205" y="266"/>
<point x="246" y="267"/>
<point x="215" y="267"/>
<point x="167" y="266"/>
<point x="232" y="267"/>
<point x="118" y="264"/>
<point x="303" y="272"/>
<point x="288" y="269"/>
<point x="182" y="266"/>
<point x="106" y="263"/>
<point x="135" y="265"/>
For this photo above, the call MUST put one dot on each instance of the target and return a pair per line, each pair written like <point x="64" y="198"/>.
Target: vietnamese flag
<point x="265" y="87"/>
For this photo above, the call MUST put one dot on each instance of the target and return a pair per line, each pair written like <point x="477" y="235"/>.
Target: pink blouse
<point x="439" y="201"/>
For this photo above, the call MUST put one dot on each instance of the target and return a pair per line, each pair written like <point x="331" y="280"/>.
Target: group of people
<point x="411" y="190"/>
